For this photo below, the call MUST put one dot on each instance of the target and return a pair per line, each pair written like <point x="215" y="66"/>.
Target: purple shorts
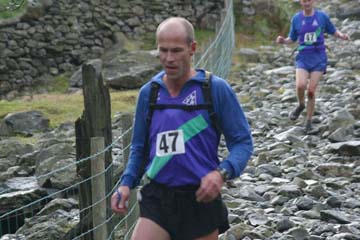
<point x="311" y="61"/>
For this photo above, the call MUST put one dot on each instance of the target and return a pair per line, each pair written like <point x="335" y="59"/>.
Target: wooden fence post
<point x="98" y="187"/>
<point x="94" y="122"/>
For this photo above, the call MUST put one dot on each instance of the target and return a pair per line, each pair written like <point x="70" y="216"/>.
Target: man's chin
<point x="171" y="74"/>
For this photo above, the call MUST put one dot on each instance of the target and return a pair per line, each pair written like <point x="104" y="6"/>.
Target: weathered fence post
<point x="98" y="187"/>
<point x="95" y="122"/>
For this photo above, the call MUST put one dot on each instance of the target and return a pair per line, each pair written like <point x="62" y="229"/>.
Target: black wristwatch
<point x="224" y="174"/>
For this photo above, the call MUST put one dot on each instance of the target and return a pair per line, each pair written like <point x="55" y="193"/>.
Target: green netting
<point x="218" y="55"/>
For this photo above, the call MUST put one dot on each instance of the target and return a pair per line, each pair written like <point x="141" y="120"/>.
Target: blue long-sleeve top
<point x="296" y="23"/>
<point x="230" y="118"/>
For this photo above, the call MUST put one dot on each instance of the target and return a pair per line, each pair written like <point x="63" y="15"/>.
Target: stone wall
<point x="56" y="36"/>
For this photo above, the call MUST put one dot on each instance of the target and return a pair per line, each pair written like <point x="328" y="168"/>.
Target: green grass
<point x="61" y="83"/>
<point x="11" y="8"/>
<point x="60" y="108"/>
<point x="203" y="36"/>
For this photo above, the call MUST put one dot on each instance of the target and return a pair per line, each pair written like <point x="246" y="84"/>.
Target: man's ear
<point x="193" y="48"/>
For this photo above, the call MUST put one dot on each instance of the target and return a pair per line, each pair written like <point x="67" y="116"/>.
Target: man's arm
<point x="282" y="40"/>
<point x="292" y="37"/>
<point x="341" y="35"/>
<point x="130" y="176"/>
<point x="235" y="128"/>
<point x="331" y="29"/>
<point x="237" y="136"/>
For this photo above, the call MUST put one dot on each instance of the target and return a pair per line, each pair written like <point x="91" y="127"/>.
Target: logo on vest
<point x="190" y="99"/>
<point x="315" y="23"/>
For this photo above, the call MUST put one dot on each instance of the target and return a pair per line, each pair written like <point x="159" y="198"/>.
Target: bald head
<point x="177" y="24"/>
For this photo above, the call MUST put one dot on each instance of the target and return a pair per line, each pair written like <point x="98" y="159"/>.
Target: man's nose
<point x="170" y="56"/>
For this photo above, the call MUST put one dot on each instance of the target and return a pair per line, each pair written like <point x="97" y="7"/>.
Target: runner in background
<point x="308" y="26"/>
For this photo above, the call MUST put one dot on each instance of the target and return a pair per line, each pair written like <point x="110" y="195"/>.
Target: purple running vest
<point x="311" y="35"/>
<point x="183" y="143"/>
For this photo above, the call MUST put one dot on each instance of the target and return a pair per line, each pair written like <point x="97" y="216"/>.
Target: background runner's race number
<point x="170" y="143"/>
<point x="310" y="37"/>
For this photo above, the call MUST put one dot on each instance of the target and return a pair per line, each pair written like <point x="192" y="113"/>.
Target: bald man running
<point x="182" y="199"/>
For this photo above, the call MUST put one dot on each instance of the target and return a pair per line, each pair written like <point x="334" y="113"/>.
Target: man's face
<point x="307" y="5"/>
<point x="175" y="53"/>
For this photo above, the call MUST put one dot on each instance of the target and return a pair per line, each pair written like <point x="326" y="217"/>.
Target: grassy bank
<point x="60" y="108"/>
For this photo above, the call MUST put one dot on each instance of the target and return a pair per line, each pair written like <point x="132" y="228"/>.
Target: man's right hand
<point x="280" y="39"/>
<point x="119" y="199"/>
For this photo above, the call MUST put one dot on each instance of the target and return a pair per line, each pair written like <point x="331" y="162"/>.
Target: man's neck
<point x="174" y="86"/>
<point x="309" y="13"/>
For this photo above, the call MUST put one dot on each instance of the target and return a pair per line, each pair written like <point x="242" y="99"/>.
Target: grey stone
<point x="284" y="224"/>
<point x="304" y="203"/>
<point x="26" y="122"/>
<point x="334" y="216"/>
<point x="349" y="148"/>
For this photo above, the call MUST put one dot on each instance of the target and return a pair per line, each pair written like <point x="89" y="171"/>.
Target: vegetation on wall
<point x="271" y="18"/>
<point x="11" y="8"/>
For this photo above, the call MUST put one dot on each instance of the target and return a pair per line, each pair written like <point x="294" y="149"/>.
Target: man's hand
<point x="283" y="40"/>
<point x="280" y="39"/>
<point x="210" y="187"/>
<point x="119" y="199"/>
<point x="344" y="36"/>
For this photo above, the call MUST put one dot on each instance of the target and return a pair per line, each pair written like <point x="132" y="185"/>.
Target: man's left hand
<point x="210" y="187"/>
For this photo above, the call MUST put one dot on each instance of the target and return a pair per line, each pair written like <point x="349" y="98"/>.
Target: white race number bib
<point x="170" y="143"/>
<point x="310" y="37"/>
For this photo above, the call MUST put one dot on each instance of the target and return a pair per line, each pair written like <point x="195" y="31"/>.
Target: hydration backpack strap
<point x="154" y="90"/>
<point x="206" y="89"/>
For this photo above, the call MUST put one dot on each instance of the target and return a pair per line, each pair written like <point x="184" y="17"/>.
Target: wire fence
<point x="55" y="215"/>
<point x="217" y="56"/>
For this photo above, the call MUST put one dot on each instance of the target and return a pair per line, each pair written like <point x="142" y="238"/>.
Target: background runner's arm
<point x="294" y="29"/>
<point x="328" y="25"/>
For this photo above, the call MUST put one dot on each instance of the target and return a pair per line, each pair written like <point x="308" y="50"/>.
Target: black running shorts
<point x="177" y="211"/>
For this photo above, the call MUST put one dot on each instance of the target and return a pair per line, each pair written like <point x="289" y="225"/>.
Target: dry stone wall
<point x="55" y="36"/>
